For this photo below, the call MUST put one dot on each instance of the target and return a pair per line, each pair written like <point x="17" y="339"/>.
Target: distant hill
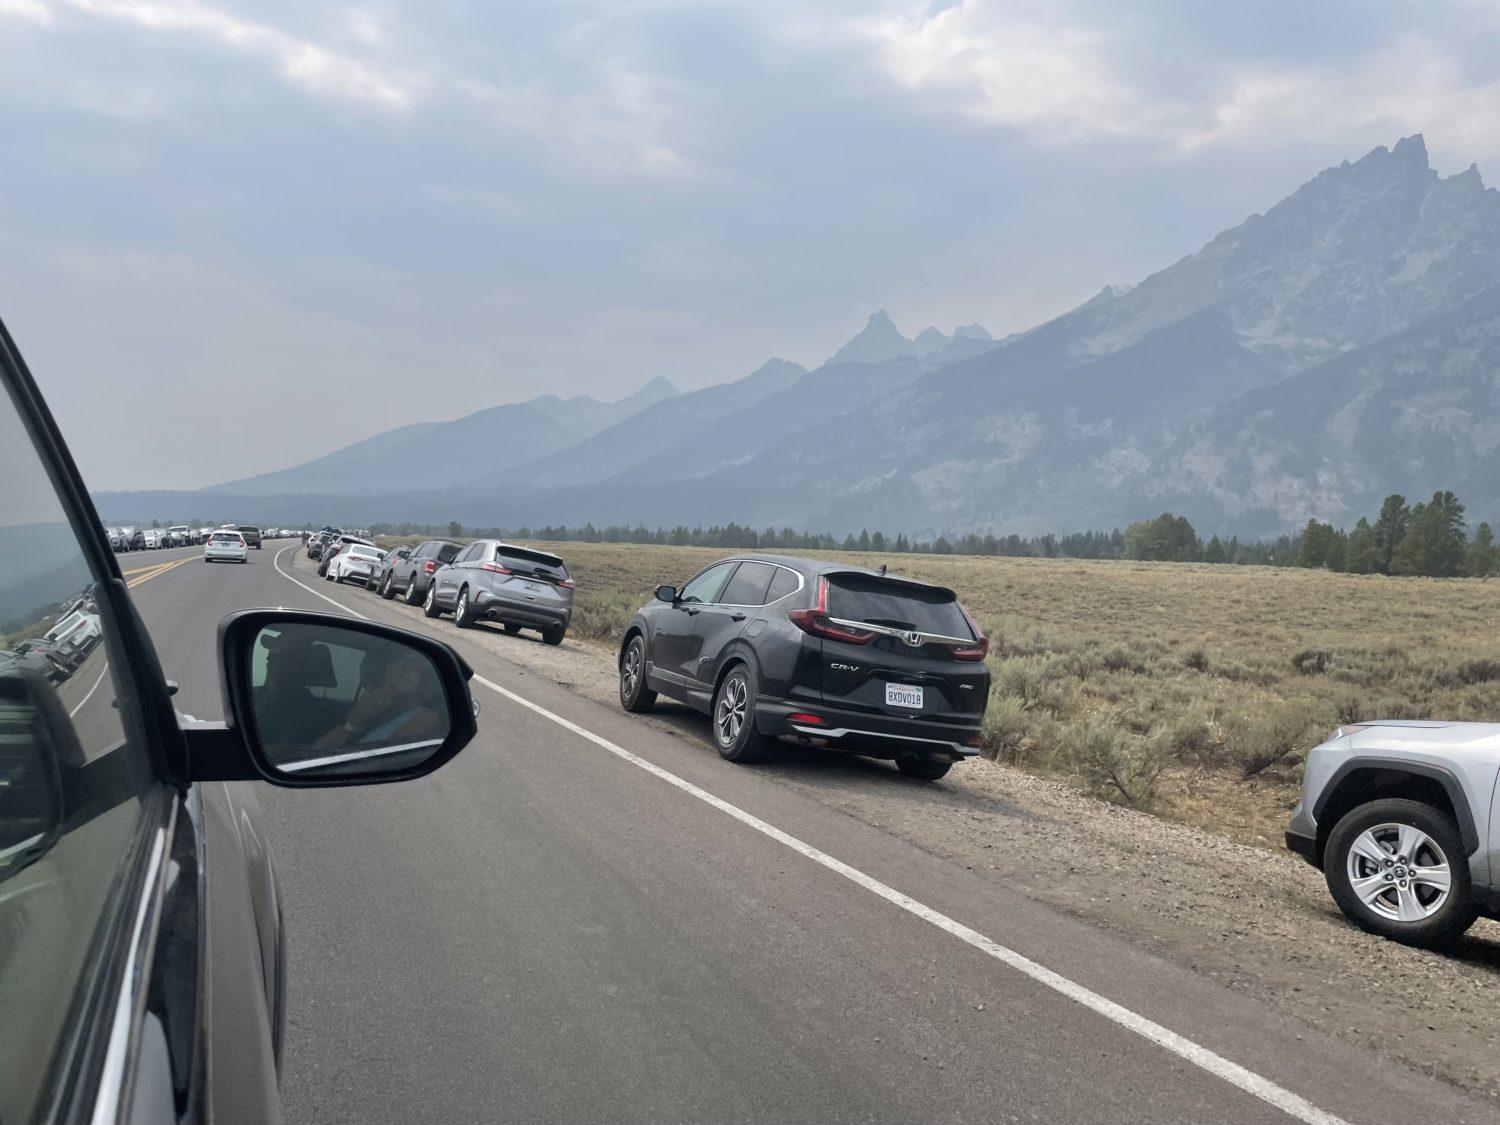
<point x="1302" y="364"/>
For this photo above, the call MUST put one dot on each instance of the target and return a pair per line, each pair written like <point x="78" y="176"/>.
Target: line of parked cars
<point x="123" y="539"/>
<point x="770" y="647"/>
<point x="60" y="651"/>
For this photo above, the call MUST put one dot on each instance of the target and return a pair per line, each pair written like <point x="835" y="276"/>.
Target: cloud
<point x="299" y="62"/>
<point x="1059" y="79"/>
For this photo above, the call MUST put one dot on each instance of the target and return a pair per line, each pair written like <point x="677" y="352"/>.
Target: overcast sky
<point x="238" y="235"/>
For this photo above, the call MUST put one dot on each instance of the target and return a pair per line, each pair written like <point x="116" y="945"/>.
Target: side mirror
<point x="319" y="700"/>
<point x="403" y="553"/>
<point x="38" y="742"/>
<point x="667" y="594"/>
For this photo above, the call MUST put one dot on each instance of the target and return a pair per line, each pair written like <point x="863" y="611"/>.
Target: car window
<point x="706" y="587"/>
<point x="748" y="586"/>
<point x="73" y="787"/>
<point x="899" y="605"/>
<point x="447" y="552"/>
<point x="783" y="583"/>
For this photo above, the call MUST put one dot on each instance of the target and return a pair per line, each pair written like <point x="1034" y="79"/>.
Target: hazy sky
<point x="237" y="235"/>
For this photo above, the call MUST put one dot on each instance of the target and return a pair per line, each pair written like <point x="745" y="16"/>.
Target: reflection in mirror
<point x="330" y="701"/>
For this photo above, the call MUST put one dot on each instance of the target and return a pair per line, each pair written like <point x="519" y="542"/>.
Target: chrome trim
<point x="905" y="634"/>
<point x="844" y="732"/>
<point x="357" y="755"/>
<point x="113" y="1098"/>
<point x="801" y="585"/>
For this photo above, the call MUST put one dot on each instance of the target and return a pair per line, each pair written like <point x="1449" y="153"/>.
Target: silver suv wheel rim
<point x="1399" y="872"/>
<point x="463" y="605"/>
<point x="730" y="716"/>
<point x="431" y="595"/>
<point x="630" y="670"/>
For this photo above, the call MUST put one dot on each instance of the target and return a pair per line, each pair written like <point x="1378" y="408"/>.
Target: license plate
<point x="901" y="695"/>
<point x="536" y="586"/>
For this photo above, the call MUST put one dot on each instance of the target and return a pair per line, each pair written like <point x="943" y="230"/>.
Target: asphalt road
<point x="591" y="919"/>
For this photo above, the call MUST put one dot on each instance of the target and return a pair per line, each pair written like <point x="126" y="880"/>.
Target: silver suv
<point x="1401" y="818"/>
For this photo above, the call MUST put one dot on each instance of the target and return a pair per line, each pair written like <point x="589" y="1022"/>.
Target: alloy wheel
<point x="729" y="716"/>
<point x="630" y="669"/>
<point x="1399" y="872"/>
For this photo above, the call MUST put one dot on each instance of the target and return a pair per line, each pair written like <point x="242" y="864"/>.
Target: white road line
<point x="276" y="562"/>
<point x="1291" y="1104"/>
<point x="103" y="672"/>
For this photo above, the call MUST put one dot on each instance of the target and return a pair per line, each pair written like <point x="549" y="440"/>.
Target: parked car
<point x="822" y="653"/>
<point x="152" y="538"/>
<point x="76" y="632"/>
<point x="16" y="660"/>
<point x="178" y="535"/>
<point x="382" y="572"/>
<point x="135" y="538"/>
<point x="516" y="586"/>
<point x="143" y="959"/>
<point x="332" y="548"/>
<point x="1400" y="816"/>
<point x="355" y="563"/>
<point x="411" y="576"/>
<point x="251" y="534"/>
<point x="65" y="658"/>
<point x="225" y="546"/>
<point x="117" y="540"/>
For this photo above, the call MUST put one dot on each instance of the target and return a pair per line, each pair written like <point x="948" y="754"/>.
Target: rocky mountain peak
<point x="878" y="341"/>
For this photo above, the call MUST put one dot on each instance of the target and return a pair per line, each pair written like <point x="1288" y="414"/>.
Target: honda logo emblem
<point x="913" y="639"/>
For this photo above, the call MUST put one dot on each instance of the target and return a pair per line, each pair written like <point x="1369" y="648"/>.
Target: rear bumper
<point x="862" y="733"/>
<point x="528" y="614"/>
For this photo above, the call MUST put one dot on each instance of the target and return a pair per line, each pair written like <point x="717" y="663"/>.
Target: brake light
<point x="981" y="646"/>
<point x="565" y="583"/>
<point x="816" y="622"/>
<point x="805" y="718"/>
<point x="429" y="566"/>
<point x="494" y="568"/>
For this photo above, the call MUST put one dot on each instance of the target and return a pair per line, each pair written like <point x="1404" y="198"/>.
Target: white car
<point x="225" y="546"/>
<point x="153" y="538"/>
<point x="77" y="632"/>
<point x="178" y="535"/>
<point x="357" y="561"/>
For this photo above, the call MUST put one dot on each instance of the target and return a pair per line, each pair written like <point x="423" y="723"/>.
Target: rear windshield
<point x="878" y="601"/>
<point x="522" y="561"/>
<point x="359" y="551"/>
<point x="251" y="530"/>
<point x="226" y="537"/>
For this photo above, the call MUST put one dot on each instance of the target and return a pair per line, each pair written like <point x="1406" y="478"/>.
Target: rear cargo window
<point x="878" y="601"/>
<point x="782" y="585"/>
<point x="523" y="561"/>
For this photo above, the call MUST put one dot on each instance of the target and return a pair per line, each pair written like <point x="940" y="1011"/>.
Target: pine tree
<point x="1482" y="558"/>
<point x="1390" y="530"/>
<point x="1362" y="556"/>
<point x="1214" y="552"/>
<point x="1434" y="542"/>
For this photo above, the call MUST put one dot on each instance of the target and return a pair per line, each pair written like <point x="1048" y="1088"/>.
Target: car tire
<point x="510" y="630"/>
<point x="463" y="610"/>
<point x="385" y="588"/>
<point x="553" y="636"/>
<point x="634" y="694"/>
<point x="732" y="720"/>
<point x="923" y="769"/>
<point x="413" y="595"/>
<point x="1350" y="865"/>
<point x="430" y="607"/>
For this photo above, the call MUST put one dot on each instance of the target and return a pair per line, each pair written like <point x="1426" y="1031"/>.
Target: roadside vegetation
<point x="1187" y="689"/>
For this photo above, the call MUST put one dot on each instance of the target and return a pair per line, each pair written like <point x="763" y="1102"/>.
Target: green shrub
<point x="1112" y="764"/>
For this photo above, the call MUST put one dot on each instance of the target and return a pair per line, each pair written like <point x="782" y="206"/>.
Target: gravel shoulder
<point x="1258" y="920"/>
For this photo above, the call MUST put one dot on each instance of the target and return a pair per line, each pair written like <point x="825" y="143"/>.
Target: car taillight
<point x="429" y="566"/>
<point x="816" y="621"/>
<point x="494" y="568"/>
<point x="565" y="583"/>
<point x="981" y="646"/>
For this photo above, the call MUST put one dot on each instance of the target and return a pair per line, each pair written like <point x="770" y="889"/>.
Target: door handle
<point x="736" y="617"/>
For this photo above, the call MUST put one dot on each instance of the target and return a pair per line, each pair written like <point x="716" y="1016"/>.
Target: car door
<point x="721" y="621"/>
<point x="673" y="652"/>
<point x="449" y="578"/>
<point x="101" y="860"/>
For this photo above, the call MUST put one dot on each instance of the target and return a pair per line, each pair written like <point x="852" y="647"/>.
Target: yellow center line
<point x="143" y="569"/>
<point x="152" y="572"/>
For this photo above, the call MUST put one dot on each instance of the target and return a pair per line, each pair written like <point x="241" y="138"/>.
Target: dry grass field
<point x="1187" y="689"/>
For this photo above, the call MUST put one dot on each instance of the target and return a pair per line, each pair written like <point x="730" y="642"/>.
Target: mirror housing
<point x="360" y="745"/>
<point x="666" y="594"/>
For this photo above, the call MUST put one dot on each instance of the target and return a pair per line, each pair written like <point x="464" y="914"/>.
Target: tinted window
<point x="858" y="597"/>
<point x="706" y="587"/>
<point x="748" y="586"/>
<point x="784" y="582"/>
<point x="530" y="562"/>
<point x="447" y="552"/>
<point x="72" y="786"/>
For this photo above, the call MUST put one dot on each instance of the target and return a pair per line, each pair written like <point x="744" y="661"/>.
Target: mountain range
<point x="1342" y="345"/>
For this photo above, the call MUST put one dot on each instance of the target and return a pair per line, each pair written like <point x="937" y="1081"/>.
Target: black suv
<point x="142" y="960"/>
<point x="410" y="575"/>
<point x="823" y="653"/>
